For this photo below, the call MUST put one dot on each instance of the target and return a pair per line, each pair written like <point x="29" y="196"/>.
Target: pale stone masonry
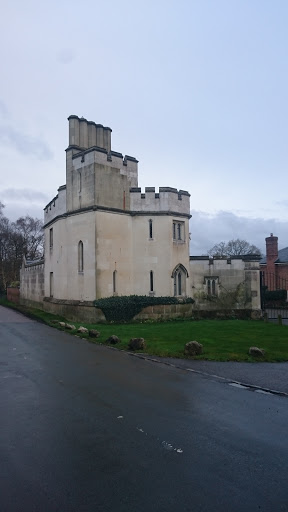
<point x="132" y="242"/>
<point x="104" y="236"/>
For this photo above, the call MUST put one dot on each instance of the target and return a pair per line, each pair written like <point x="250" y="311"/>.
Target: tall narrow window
<point x="151" y="281"/>
<point x="174" y="230"/>
<point x="213" y="287"/>
<point x="80" y="257"/>
<point x="51" y="238"/>
<point x="79" y="181"/>
<point x="179" y="283"/>
<point x="51" y="284"/>
<point x="150" y="229"/>
<point x="114" y="281"/>
<point x="209" y="287"/>
<point x="178" y="231"/>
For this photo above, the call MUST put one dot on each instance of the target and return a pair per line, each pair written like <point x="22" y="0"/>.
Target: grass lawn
<point x="222" y="340"/>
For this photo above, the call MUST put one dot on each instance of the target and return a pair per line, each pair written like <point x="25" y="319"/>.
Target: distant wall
<point x="32" y="283"/>
<point x="228" y="274"/>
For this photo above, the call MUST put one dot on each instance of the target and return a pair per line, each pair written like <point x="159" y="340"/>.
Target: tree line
<point x="235" y="247"/>
<point x="24" y="237"/>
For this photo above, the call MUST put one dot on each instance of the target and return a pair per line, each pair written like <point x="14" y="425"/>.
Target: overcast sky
<point x="196" y="90"/>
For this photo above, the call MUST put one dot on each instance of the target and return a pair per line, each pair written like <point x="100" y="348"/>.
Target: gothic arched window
<point x="179" y="275"/>
<point x="80" y="257"/>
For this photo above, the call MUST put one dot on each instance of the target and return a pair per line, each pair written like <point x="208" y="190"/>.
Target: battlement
<point x="111" y="156"/>
<point x="127" y="165"/>
<point x="168" y="199"/>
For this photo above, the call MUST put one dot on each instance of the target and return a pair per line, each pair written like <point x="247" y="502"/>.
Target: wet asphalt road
<point x="85" y="428"/>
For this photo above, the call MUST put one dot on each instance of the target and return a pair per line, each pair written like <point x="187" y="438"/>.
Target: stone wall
<point x="186" y="311"/>
<point x="165" y="312"/>
<point x="32" y="283"/>
<point x="227" y="275"/>
<point x="74" y="310"/>
<point x="166" y="200"/>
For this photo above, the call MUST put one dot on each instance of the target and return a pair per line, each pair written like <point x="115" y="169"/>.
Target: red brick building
<point x="274" y="265"/>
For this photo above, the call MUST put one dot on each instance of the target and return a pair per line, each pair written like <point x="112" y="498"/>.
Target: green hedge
<point x="125" y="307"/>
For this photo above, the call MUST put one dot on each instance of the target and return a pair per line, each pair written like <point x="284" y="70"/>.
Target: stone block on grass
<point x="113" y="340"/>
<point x="136" y="344"/>
<point x="83" y="330"/>
<point x="193" y="348"/>
<point x="93" y="333"/>
<point x="71" y="327"/>
<point x="256" y="352"/>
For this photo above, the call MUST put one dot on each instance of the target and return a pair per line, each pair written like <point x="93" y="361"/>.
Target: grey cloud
<point x="25" y="144"/>
<point x="15" y="210"/>
<point x="23" y="195"/>
<point x="208" y="230"/>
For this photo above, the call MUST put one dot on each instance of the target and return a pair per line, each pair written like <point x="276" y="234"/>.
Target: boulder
<point x="83" y="330"/>
<point x="136" y="344"/>
<point x="70" y="327"/>
<point x="93" y="333"/>
<point x="193" y="348"/>
<point x="62" y="324"/>
<point x="256" y="352"/>
<point x="113" y="340"/>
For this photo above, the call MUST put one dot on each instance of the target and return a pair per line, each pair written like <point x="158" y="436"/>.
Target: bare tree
<point x="23" y="237"/>
<point x="233" y="248"/>
<point x="31" y="234"/>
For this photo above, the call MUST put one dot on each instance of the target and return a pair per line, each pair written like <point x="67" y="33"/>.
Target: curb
<point x="252" y="387"/>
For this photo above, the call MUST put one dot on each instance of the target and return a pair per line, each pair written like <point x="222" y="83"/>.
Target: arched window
<point x="211" y="284"/>
<point x="80" y="257"/>
<point x="179" y="279"/>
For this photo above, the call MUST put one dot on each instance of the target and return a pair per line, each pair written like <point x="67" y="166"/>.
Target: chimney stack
<point x="271" y="249"/>
<point x="87" y="134"/>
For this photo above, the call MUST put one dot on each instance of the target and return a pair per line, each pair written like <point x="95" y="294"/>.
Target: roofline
<point x="132" y="213"/>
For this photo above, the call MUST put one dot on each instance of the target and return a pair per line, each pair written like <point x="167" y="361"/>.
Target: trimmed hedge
<point x="123" y="308"/>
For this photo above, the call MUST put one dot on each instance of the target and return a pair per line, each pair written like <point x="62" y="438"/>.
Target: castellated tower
<point x="104" y="236"/>
<point x="95" y="175"/>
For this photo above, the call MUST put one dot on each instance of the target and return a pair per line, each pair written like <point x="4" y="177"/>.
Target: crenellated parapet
<point x="57" y="206"/>
<point x="128" y="165"/>
<point x="168" y="199"/>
